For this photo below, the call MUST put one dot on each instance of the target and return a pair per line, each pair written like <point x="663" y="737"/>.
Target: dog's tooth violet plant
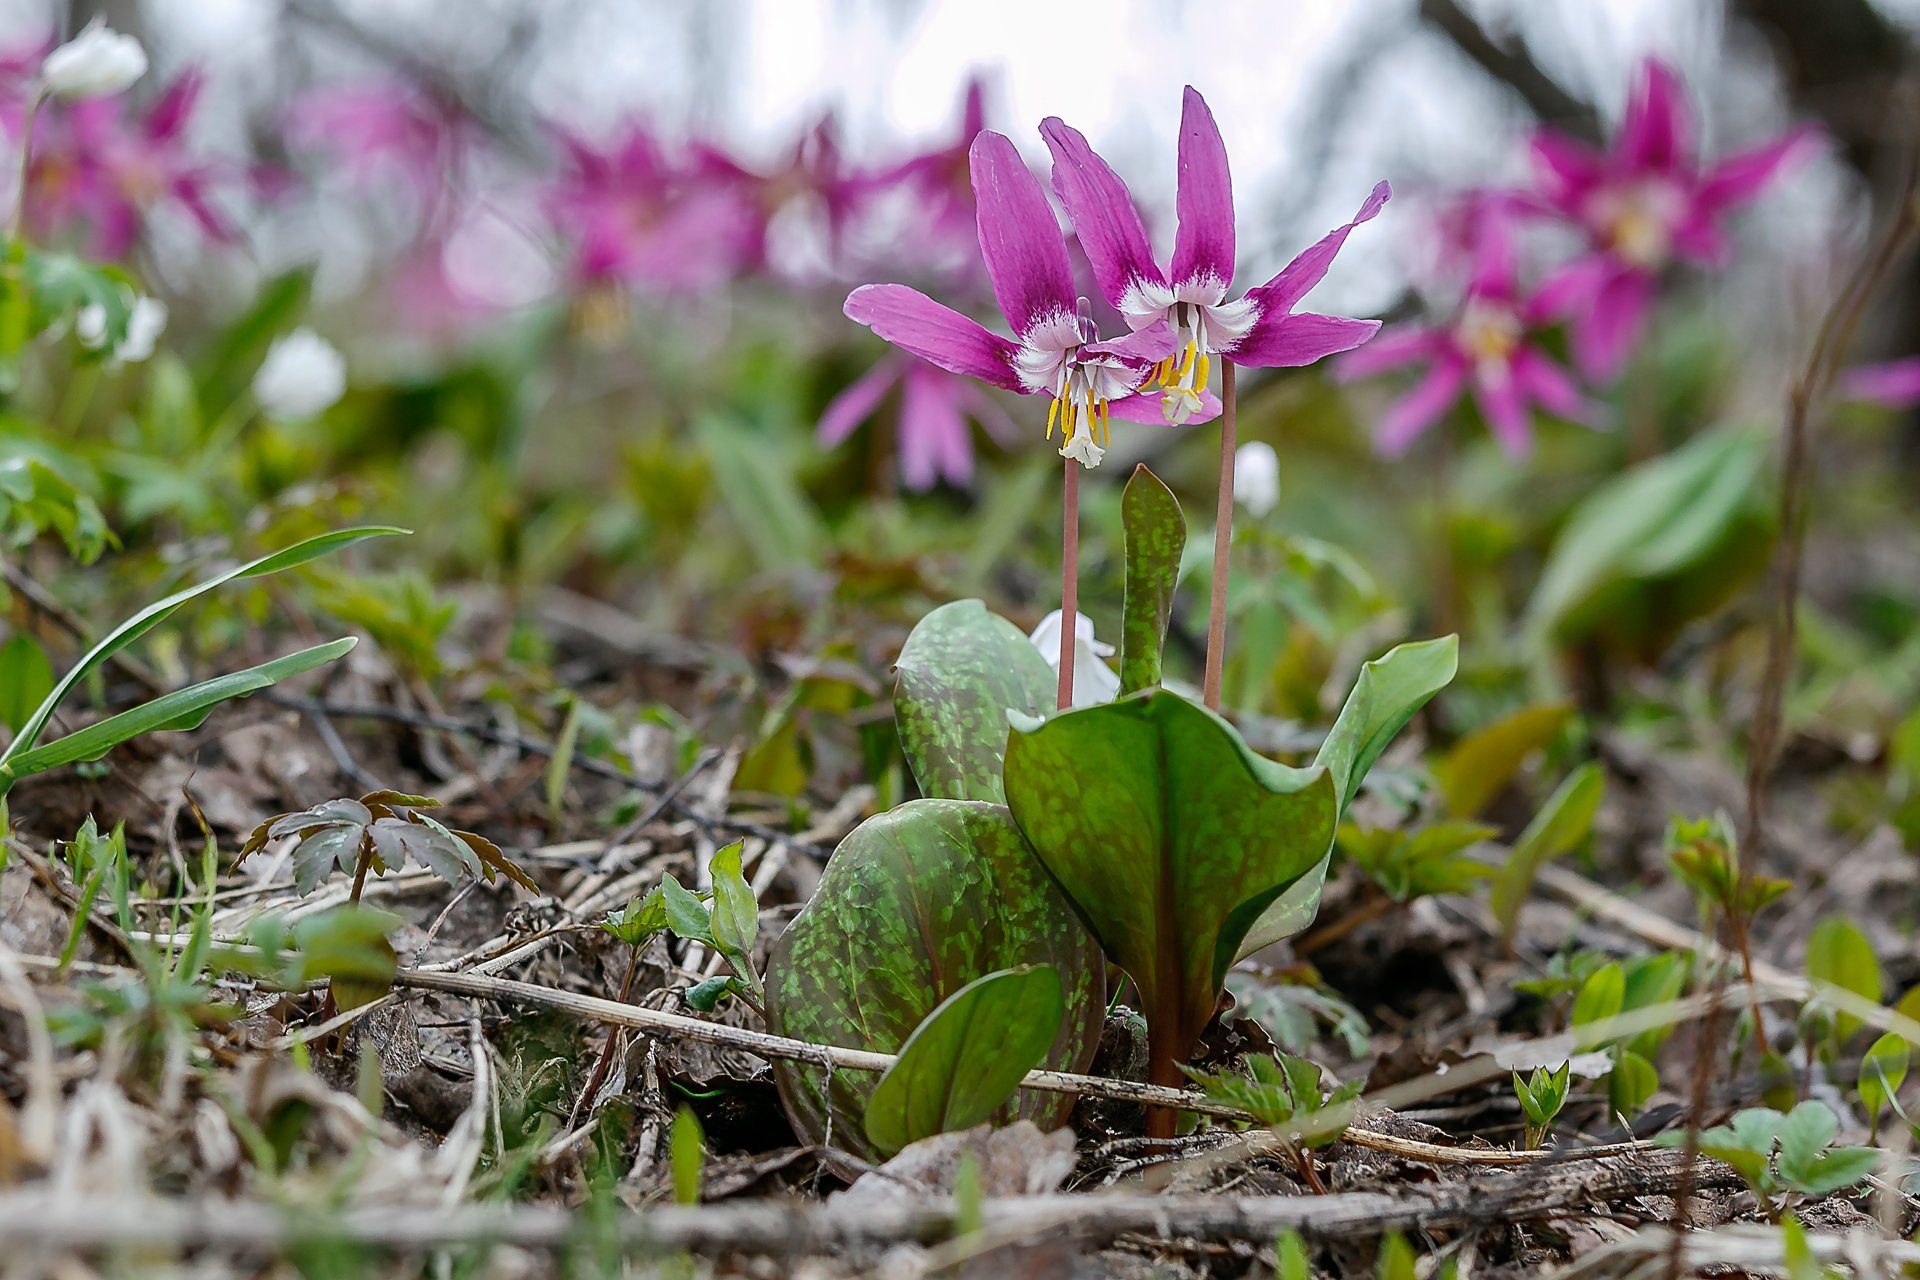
<point x="1259" y="328"/>
<point x="1056" y="352"/>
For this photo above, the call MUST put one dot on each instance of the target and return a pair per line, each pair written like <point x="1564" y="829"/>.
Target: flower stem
<point x="1069" y="579"/>
<point x="16" y="218"/>
<point x="1222" y="543"/>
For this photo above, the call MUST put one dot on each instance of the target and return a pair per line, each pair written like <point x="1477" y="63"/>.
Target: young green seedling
<point x="1807" y="1163"/>
<point x="1541" y="1098"/>
<point x="1285" y="1093"/>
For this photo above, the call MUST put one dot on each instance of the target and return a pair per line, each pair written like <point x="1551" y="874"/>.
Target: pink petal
<point x="1571" y="288"/>
<point x="1495" y="257"/>
<point x="987" y="412"/>
<point x="1294" y="340"/>
<point x="1019" y="238"/>
<point x="914" y="322"/>
<point x="1504" y="406"/>
<point x="927" y="415"/>
<point x="1657" y="134"/>
<point x="1154" y="342"/>
<point x="1102" y="210"/>
<point x="1402" y="346"/>
<point x="1414" y="412"/>
<point x="1604" y="334"/>
<point x="1894" y="385"/>
<point x="1145" y="407"/>
<point x="856" y="404"/>
<point x="1553" y="388"/>
<point x="1203" y="245"/>
<point x="1282" y="293"/>
<point x="1567" y="167"/>
<point x="1739" y="177"/>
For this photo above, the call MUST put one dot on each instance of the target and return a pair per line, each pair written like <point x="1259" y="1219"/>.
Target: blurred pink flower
<point x="811" y="179"/>
<point x="631" y="216"/>
<point x="1487" y="347"/>
<point x="934" y="439"/>
<point x="924" y="205"/>
<point x="1643" y="203"/>
<point x="383" y="129"/>
<point x="1893" y="385"/>
<point x="103" y="165"/>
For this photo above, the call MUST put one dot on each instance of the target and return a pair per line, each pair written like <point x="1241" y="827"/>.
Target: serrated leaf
<point x="915" y="904"/>
<point x="1171" y="836"/>
<point x="316" y="856"/>
<point x="960" y="671"/>
<point x="1156" y="534"/>
<point x="964" y="1062"/>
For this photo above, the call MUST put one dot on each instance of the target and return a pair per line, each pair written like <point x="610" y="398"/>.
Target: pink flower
<point x="97" y="164"/>
<point x="1486" y="346"/>
<point x="1642" y="204"/>
<point x="1893" y="385"/>
<point x="1056" y="351"/>
<point x="383" y="130"/>
<point x="935" y="442"/>
<point x="933" y="192"/>
<point x="631" y="216"/>
<point x="1258" y="328"/>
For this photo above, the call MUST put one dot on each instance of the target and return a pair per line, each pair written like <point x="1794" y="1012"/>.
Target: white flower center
<point x="1487" y="332"/>
<point x="1636" y="220"/>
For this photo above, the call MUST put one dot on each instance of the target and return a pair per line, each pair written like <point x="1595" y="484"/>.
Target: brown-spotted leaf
<point x="915" y="904"/>
<point x="1156" y="534"/>
<point x="959" y="673"/>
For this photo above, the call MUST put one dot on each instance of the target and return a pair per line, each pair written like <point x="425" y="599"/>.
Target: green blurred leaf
<point x="1171" y="836"/>
<point x="1600" y="998"/>
<point x="1882" y="1071"/>
<point x="965" y="1061"/>
<point x="1479" y="767"/>
<point x="1839" y="953"/>
<point x="686" y="1156"/>
<point x="1562" y="823"/>
<point x="761" y="493"/>
<point x="915" y="904"/>
<point x="26" y="678"/>
<point x="1632" y="1081"/>
<point x="1156" y="533"/>
<point x="960" y="671"/>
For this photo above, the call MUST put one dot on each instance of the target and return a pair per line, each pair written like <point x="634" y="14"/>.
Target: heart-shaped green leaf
<point x="915" y="904"/>
<point x="1156" y="534"/>
<point x="959" y="672"/>
<point x="1390" y="689"/>
<point x="1171" y="836"/>
<point x="966" y="1060"/>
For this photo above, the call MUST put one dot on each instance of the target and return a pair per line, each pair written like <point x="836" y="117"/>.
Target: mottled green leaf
<point x="1155" y="536"/>
<point x="1390" y="689"/>
<point x="915" y="904"/>
<point x="962" y="1064"/>
<point x="959" y="673"/>
<point x="1171" y="836"/>
<point x="1562" y="823"/>
<point x="1479" y="767"/>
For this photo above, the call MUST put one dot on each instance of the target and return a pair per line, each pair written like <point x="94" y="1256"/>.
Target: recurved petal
<point x="1145" y="407"/>
<point x="1103" y="213"/>
<point x="1203" y="245"/>
<point x="1553" y="388"/>
<point x="1019" y="238"/>
<point x="916" y="323"/>
<point x="1288" y="341"/>
<point x="1154" y="342"/>
<point x="1414" y="412"/>
<point x="1739" y="177"/>
<point x="1568" y="168"/>
<point x="1604" y="333"/>
<point x="1403" y="346"/>
<point x="1657" y="134"/>
<point x="856" y="404"/>
<point x="1503" y="403"/>
<point x="1283" y="292"/>
<point x="930" y="425"/>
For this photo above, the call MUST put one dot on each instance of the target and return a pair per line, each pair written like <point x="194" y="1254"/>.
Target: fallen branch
<point x="61" y="1220"/>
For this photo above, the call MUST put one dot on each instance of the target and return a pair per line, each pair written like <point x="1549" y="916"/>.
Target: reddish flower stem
<point x="1222" y="543"/>
<point x="1069" y="578"/>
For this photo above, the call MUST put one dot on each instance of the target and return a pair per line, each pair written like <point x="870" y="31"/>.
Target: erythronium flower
<point x="934" y="440"/>
<point x="96" y="63"/>
<point x="1256" y="472"/>
<point x="1893" y="385"/>
<point x="1487" y="345"/>
<point x="1057" y="352"/>
<point x="1644" y="203"/>
<point x="923" y="206"/>
<point x="1094" y="682"/>
<point x="1258" y="328"/>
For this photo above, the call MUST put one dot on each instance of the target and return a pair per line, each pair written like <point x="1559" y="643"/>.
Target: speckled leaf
<point x="1390" y="689"/>
<point x="1171" y="836"/>
<point x="964" y="1062"/>
<point x="1156" y="535"/>
<point x="960" y="671"/>
<point x="915" y="904"/>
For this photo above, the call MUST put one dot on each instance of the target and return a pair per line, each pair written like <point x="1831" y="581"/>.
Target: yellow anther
<point x="1206" y="367"/>
<point x="1053" y="415"/>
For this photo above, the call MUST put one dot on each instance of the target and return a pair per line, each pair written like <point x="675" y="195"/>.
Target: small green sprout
<point x="1286" y="1094"/>
<point x="728" y="920"/>
<point x="1541" y="1097"/>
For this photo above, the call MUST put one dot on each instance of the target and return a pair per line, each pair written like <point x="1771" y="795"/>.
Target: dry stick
<point x="58" y="1219"/>
<point x="1069" y="580"/>
<point x="1222" y="542"/>
<point x="1816" y="378"/>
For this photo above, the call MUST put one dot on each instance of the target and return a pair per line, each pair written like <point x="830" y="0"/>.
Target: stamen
<point x="1053" y="415"/>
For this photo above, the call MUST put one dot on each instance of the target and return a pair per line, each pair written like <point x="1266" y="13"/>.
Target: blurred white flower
<point x="97" y="62"/>
<point x="303" y="375"/>
<point x="1094" y="682"/>
<point x="145" y="322"/>
<point x="1256" y="477"/>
